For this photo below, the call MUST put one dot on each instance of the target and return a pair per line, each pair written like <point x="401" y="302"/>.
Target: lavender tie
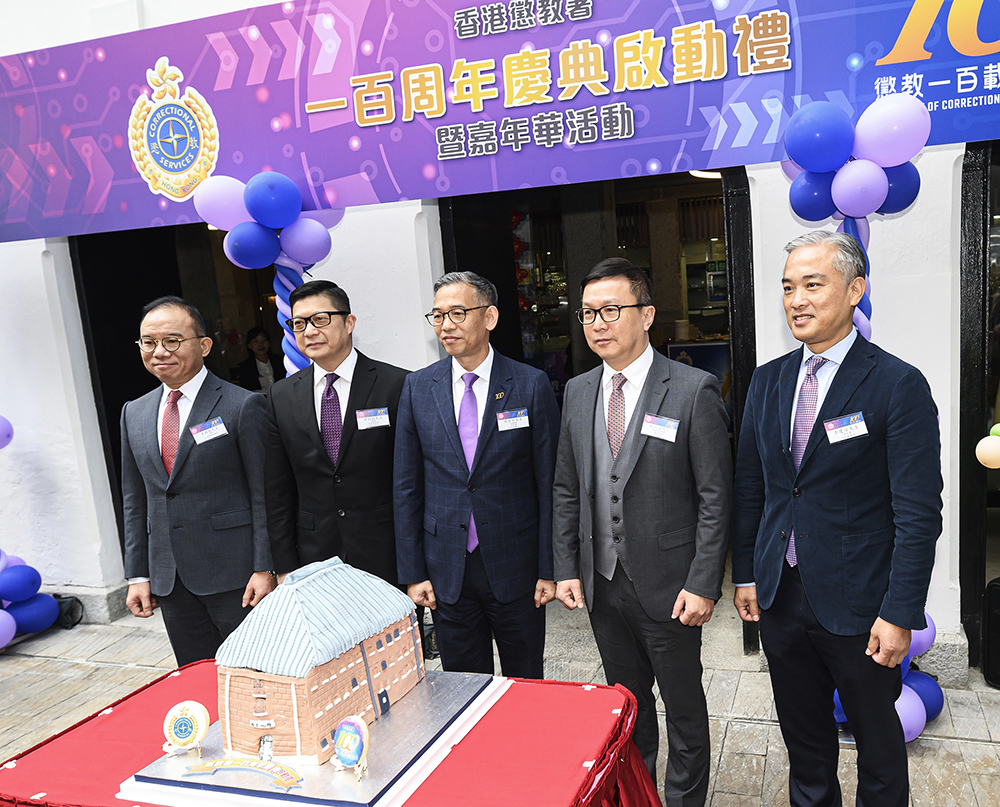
<point x="805" y="417"/>
<point x="468" y="430"/>
<point x="331" y="421"/>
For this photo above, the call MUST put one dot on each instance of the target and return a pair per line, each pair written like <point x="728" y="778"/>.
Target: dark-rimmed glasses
<point x="170" y="343"/>
<point x="456" y="315"/>
<point x="609" y="313"/>
<point x="318" y="320"/>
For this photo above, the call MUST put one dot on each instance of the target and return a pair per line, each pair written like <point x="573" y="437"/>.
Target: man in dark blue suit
<point x="837" y="508"/>
<point x="474" y="461"/>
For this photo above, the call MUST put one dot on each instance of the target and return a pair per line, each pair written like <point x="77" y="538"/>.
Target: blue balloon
<point x="820" y="137"/>
<point x="18" y="583"/>
<point x="253" y="245"/>
<point x="272" y="199"/>
<point x="35" y="614"/>
<point x="838" y="709"/>
<point x="810" y="196"/>
<point x="904" y="667"/>
<point x="904" y="185"/>
<point x="929" y="691"/>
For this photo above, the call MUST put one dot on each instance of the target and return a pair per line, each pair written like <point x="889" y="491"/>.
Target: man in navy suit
<point x="837" y="509"/>
<point x="475" y="453"/>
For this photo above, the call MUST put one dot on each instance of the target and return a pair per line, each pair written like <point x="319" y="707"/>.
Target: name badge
<point x="662" y="428"/>
<point x="209" y="430"/>
<point x="845" y="428"/>
<point x="372" y="418"/>
<point x="512" y="419"/>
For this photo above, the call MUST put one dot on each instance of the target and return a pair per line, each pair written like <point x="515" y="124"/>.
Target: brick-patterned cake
<point x="329" y="642"/>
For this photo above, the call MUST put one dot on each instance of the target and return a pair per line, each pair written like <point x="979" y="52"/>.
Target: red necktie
<point x="171" y="430"/>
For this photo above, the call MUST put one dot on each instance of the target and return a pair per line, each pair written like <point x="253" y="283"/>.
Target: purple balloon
<point x="8" y="627"/>
<point x="327" y="217"/>
<point x="859" y="188"/>
<point x="306" y="241"/>
<point x="14" y="560"/>
<point x="892" y="130"/>
<point x="6" y="432"/>
<point x="253" y="245"/>
<point x="864" y="233"/>
<point x="912" y="714"/>
<point x="219" y="201"/>
<point x="921" y="640"/>
<point x="232" y="260"/>
<point x="791" y="169"/>
<point x="3" y="560"/>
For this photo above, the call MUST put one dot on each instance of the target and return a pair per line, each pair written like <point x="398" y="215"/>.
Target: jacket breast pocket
<point x="230" y="519"/>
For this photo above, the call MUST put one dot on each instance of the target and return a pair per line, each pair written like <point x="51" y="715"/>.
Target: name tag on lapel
<point x="208" y="430"/>
<point x="662" y="428"/>
<point x="512" y="419"/>
<point x="845" y="428"/>
<point x="373" y="418"/>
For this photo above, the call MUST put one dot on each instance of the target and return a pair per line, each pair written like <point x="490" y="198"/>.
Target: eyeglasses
<point x="456" y="315"/>
<point x="318" y="320"/>
<point x="170" y="343"/>
<point x="609" y="313"/>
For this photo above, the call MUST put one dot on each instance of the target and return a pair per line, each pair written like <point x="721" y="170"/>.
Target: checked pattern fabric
<point x="468" y="430"/>
<point x="805" y="417"/>
<point x="616" y="414"/>
<point x="331" y="421"/>
<point x="171" y="430"/>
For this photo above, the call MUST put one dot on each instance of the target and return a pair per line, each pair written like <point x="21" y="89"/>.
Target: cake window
<point x="354" y="683"/>
<point x="378" y="644"/>
<point x="395" y="634"/>
<point x="383" y="665"/>
<point x="324" y="744"/>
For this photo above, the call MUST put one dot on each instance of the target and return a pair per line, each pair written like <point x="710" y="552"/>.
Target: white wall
<point x="916" y="308"/>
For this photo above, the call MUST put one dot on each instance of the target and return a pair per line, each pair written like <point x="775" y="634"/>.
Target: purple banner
<point x="362" y="102"/>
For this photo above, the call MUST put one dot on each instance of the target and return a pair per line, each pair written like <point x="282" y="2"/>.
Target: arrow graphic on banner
<point x="330" y="41"/>
<point x="261" y="54"/>
<point x="58" y="176"/>
<point x="294" y="48"/>
<point x="228" y="60"/>
<point x="748" y="123"/>
<point x="101" y="174"/>
<point x="19" y="177"/>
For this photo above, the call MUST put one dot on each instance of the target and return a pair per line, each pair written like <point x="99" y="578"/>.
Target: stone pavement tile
<point x="774" y="787"/>
<point x="981" y="758"/>
<point x="722" y="692"/>
<point x="734" y="800"/>
<point x="938" y="774"/>
<point x="741" y="774"/>
<point x="990" y="704"/>
<point x="586" y="672"/>
<point x="847" y="773"/>
<point x="941" y="726"/>
<point x="717" y="733"/>
<point x="753" y="699"/>
<point x="746" y="738"/>
<point x="987" y="789"/>
<point x="722" y="642"/>
<point x="140" y="647"/>
<point x="966" y="715"/>
<point x="80" y="643"/>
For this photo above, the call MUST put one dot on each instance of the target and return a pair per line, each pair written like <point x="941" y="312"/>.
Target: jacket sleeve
<point x="566" y="502"/>
<point x="135" y="509"/>
<point x="748" y="491"/>
<point x="281" y="496"/>
<point x="252" y="425"/>
<point x="408" y="493"/>
<point x="546" y="437"/>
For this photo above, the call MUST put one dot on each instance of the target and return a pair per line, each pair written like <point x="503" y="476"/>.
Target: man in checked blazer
<point x="193" y="489"/>
<point x="643" y="492"/>
<point x="475" y="449"/>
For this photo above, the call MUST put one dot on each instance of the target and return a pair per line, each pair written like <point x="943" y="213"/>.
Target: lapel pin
<point x="499" y="396"/>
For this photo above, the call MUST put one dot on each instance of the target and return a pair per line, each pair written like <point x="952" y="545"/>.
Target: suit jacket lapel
<point x="445" y="400"/>
<point x="365" y="375"/>
<point x="857" y="365"/>
<point x="305" y="405"/>
<point x="204" y="403"/>
<point x="787" y="390"/>
<point x="653" y="391"/>
<point x="584" y="420"/>
<point x="501" y="384"/>
<point x="147" y="410"/>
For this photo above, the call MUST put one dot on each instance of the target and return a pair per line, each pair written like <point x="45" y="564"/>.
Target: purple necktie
<point x="468" y="430"/>
<point x="330" y="420"/>
<point x="805" y="417"/>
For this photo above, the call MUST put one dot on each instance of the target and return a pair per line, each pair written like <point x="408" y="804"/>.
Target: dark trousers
<point x="466" y="630"/>
<point x="636" y="650"/>
<point x="196" y="625"/>
<point x="807" y="663"/>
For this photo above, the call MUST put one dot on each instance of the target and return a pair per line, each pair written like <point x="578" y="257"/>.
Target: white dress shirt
<point x="189" y="392"/>
<point x="345" y="374"/>
<point x="480" y="387"/>
<point x="265" y="374"/>
<point x="635" y="376"/>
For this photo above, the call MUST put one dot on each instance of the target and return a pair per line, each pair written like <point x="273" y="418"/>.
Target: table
<point x="543" y="742"/>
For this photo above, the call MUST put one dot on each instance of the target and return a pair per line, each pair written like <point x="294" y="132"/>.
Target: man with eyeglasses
<point x="193" y="489"/>
<point x="475" y="449"/>
<point x="330" y="433"/>
<point x="642" y="503"/>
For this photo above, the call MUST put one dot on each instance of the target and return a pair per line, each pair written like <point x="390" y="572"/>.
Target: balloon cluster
<point x="24" y="609"/>
<point x="987" y="450"/>
<point x="265" y="226"/>
<point x="849" y="172"/>
<point x="921" y="699"/>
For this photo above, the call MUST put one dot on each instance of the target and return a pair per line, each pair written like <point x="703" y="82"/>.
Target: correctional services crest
<point x="174" y="138"/>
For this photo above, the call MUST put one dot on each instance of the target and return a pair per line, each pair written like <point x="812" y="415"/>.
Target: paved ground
<point x="53" y="680"/>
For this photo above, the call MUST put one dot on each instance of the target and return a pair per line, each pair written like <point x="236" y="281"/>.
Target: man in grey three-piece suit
<point x="642" y="501"/>
<point x="193" y="489"/>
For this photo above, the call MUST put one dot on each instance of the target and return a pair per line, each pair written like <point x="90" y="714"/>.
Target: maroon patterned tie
<point x="331" y="421"/>
<point x="171" y="430"/>
<point x="616" y="414"/>
<point x="805" y="417"/>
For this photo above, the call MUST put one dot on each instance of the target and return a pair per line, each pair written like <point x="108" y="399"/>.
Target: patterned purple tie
<point x="805" y="417"/>
<point x="468" y="430"/>
<point x="331" y="421"/>
<point x="616" y="414"/>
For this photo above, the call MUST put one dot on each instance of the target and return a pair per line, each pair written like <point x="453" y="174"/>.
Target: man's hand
<point x="570" y="593"/>
<point x="139" y="600"/>
<point x="745" y="600"/>
<point x="422" y="594"/>
<point x="888" y="644"/>
<point x="261" y="584"/>
<point x="545" y="591"/>
<point x="693" y="611"/>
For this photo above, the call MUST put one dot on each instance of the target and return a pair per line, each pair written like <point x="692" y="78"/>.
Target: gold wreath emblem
<point x="164" y="80"/>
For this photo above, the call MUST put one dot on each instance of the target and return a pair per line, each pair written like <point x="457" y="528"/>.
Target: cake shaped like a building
<point x="329" y="642"/>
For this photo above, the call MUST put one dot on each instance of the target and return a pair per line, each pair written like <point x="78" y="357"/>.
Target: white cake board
<point x="257" y="793"/>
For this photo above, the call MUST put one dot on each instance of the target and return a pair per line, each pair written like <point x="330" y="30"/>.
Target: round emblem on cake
<point x="186" y="724"/>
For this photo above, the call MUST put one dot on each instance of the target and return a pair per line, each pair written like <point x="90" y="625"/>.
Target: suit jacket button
<point x="614" y="500"/>
<point x="614" y="477"/>
<point x="341" y="513"/>
<point x="616" y="538"/>
<point x="472" y="488"/>
<point x="782" y="534"/>
<point x="615" y="519"/>
<point x="336" y="478"/>
<point x="170" y="494"/>
<point x="462" y="527"/>
<point x="796" y="492"/>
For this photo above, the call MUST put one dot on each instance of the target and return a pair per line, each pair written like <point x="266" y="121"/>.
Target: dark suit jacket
<point x="206" y="522"/>
<point x="678" y="496"/>
<point x="316" y="510"/>
<point x="248" y="371"/>
<point x="509" y="486"/>
<point x="866" y="511"/>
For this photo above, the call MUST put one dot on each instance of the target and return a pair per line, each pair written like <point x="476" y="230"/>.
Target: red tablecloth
<point x="530" y="748"/>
